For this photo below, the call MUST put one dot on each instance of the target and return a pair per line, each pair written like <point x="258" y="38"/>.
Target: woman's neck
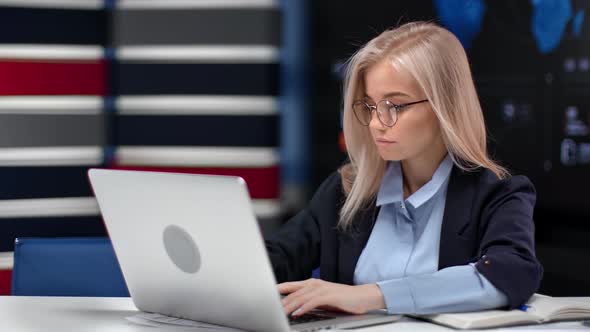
<point x="419" y="170"/>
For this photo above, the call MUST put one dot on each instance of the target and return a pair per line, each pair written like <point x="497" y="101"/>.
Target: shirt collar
<point x="392" y="189"/>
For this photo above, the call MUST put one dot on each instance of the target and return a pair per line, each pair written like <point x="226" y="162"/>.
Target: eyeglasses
<point x="386" y="111"/>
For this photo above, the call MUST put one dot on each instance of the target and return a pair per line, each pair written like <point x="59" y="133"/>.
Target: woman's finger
<point x="293" y="286"/>
<point x="300" y="300"/>
<point x="290" y="287"/>
<point x="313" y="303"/>
<point x="296" y="294"/>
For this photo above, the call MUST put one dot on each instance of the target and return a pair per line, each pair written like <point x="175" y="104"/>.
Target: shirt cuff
<point x="398" y="296"/>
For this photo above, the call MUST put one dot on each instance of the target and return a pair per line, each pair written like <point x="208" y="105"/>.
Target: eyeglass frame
<point x="375" y="108"/>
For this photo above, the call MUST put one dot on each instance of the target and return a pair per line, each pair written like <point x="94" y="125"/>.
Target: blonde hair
<point x="435" y="58"/>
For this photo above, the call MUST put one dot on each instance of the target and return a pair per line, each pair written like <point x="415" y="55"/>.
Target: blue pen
<point x="524" y="307"/>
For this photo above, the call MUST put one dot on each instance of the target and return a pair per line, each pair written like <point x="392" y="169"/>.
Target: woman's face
<point x="416" y="131"/>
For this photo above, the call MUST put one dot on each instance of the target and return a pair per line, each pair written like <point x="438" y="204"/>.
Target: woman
<point x="421" y="220"/>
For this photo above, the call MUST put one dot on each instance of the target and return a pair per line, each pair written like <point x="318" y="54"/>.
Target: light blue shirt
<point x="401" y="255"/>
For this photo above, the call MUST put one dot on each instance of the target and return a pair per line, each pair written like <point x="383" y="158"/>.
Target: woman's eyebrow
<point x="396" y="94"/>
<point x="391" y="94"/>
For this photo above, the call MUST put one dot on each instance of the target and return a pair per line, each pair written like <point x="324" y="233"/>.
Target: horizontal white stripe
<point x="6" y="260"/>
<point x="83" y="4"/>
<point x="51" y="105"/>
<point x="266" y="208"/>
<point x="88" y="206"/>
<point x="52" y="156"/>
<point x="182" y="4"/>
<point x="48" y="207"/>
<point x="197" y="156"/>
<point x="201" y="53"/>
<point x="200" y="105"/>
<point x="50" y="52"/>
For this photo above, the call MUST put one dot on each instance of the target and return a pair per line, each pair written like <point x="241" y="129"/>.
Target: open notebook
<point x="539" y="309"/>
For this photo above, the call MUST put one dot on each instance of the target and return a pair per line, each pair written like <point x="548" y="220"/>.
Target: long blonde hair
<point x="435" y="58"/>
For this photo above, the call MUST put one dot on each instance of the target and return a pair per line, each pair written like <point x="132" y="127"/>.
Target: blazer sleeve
<point x="294" y="250"/>
<point x="507" y="245"/>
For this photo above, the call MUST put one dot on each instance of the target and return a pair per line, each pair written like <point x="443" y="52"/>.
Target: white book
<point x="539" y="309"/>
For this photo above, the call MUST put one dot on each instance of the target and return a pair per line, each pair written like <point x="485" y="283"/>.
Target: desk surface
<point x="27" y="313"/>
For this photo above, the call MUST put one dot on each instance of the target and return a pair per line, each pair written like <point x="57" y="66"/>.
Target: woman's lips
<point x="383" y="141"/>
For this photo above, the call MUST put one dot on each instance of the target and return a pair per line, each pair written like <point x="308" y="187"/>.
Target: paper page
<point x="482" y="319"/>
<point x="550" y="308"/>
<point x="551" y="327"/>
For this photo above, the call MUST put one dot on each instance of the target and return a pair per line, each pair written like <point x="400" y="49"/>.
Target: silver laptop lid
<point x="189" y="246"/>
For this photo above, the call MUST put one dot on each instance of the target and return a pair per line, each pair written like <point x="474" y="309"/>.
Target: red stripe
<point x="5" y="277"/>
<point x="263" y="183"/>
<point x="44" y="77"/>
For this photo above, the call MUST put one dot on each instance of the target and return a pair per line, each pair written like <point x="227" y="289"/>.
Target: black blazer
<point x="486" y="221"/>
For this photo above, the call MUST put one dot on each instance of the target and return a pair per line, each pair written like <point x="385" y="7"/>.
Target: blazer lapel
<point x="454" y="248"/>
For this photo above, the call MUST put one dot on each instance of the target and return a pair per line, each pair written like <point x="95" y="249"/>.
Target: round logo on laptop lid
<point x="181" y="249"/>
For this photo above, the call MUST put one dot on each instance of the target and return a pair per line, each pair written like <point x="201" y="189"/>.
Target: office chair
<point x="66" y="267"/>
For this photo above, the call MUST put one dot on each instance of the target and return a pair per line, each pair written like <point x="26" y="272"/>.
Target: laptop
<point x="189" y="246"/>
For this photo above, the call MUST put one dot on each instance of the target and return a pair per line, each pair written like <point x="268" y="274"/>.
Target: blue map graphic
<point x="548" y="22"/>
<point x="462" y="17"/>
<point x="577" y="24"/>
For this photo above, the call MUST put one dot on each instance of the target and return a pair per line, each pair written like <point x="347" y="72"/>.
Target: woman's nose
<point x="375" y="123"/>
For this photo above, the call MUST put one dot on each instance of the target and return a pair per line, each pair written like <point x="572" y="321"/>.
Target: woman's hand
<point x="315" y="293"/>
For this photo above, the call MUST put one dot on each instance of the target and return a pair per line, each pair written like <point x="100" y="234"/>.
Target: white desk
<point x="108" y="314"/>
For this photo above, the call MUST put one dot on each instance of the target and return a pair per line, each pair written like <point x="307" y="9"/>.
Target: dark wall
<point x="530" y="65"/>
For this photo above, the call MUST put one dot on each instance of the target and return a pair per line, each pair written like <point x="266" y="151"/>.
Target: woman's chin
<point x="390" y="156"/>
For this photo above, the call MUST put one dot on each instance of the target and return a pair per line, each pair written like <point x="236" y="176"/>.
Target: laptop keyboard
<point x="307" y="318"/>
